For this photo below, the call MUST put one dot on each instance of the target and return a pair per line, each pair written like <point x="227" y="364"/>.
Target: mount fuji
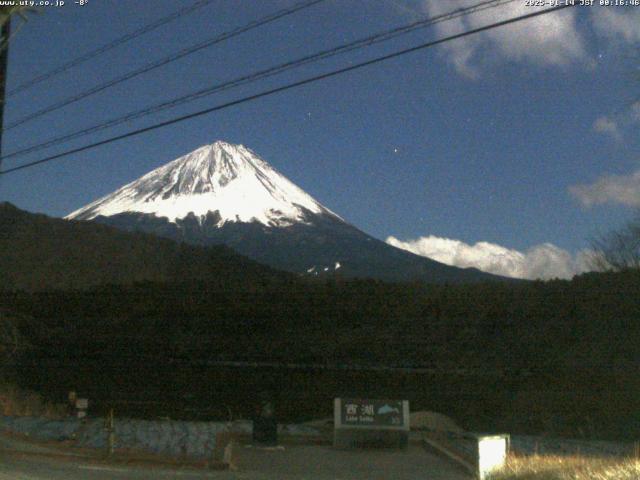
<point x="226" y="194"/>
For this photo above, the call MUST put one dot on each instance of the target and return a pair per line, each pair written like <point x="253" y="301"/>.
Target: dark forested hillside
<point x="558" y="357"/>
<point x="131" y="319"/>
<point x="42" y="253"/>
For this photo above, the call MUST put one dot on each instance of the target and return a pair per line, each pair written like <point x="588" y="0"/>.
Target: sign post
<point x="371" y="423"/>
<point x="110" y="427"/>
<point x="82" y="405"/>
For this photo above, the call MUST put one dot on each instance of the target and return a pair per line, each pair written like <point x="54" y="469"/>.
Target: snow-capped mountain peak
<point x="221" y="177"/>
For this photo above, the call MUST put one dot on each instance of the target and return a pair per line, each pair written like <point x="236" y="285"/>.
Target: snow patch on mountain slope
<point x="314" y="270"/>
<point x="229" y="179"/>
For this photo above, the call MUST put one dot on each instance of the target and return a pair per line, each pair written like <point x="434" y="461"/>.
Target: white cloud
<point x="608" y="126"/>
<point x="618" y="23"/>
<point x="551" y="39"/>
<point x="621" y="189"/>
<point x="549" y="261"/>
<point x="614" y="125"/>
<point x="543" y="261"/>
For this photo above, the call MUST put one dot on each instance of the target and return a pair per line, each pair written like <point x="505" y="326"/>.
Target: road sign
<point x="371" y="423"/>
<point x="378" y="413"/>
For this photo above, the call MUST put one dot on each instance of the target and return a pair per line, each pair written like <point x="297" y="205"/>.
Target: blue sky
<point x="524" y="138"/>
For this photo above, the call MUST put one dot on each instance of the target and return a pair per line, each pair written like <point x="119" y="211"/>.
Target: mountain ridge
<point x="45" y="253"/>
<point x="225" y="194"/>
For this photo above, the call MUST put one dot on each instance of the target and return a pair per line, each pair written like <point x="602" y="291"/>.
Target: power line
<point x="109" y="46"/>
<point x="269" y="72"/>
<point x="288" y="87"/>
<point x="164" y="61"/>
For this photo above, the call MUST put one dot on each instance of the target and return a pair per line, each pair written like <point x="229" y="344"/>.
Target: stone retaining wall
<point x="167" y="437"/>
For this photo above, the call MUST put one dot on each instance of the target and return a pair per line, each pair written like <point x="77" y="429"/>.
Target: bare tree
<point x="618" y="250"/>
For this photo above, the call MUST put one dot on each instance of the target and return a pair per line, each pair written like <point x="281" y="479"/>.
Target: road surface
<point x="24" y="461"/>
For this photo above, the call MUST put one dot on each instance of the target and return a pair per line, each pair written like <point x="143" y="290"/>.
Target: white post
<point x="492" y="453"/>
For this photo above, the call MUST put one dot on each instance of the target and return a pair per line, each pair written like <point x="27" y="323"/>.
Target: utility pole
<point x="4" y="57"/>
<point x="110" y="426"/>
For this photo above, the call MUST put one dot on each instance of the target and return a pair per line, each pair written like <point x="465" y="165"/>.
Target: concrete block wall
<point x="165" y="437"/>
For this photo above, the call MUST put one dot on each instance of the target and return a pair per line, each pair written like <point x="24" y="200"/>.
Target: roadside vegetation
<point x="568" y="468"/>
<point x="16" y="402"/>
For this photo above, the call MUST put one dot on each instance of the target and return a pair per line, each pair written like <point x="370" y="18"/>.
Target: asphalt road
<point x="21" y="460"/>
<point x="25" y="461"/>
<point x="20" y="467"/>
<point x="326" y="463"/>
